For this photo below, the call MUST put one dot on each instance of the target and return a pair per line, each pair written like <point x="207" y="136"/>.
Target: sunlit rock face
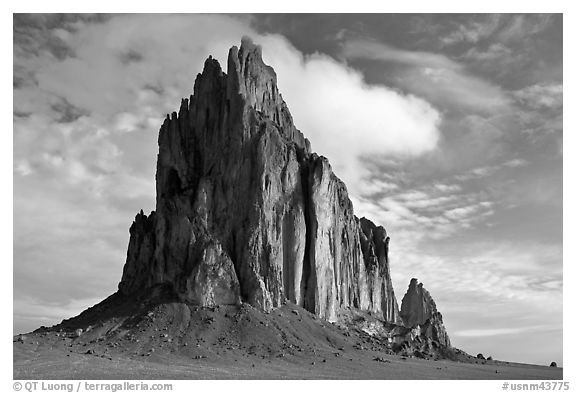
<point x="245" y="212"/>
<point x="374" y="242"/>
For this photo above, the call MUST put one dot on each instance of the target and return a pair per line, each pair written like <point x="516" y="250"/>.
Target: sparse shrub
<point x="479" y="356"/>
<point x="553" y="364"/>
<point x="489" y="358"/>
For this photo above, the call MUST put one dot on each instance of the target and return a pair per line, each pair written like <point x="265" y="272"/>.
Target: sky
<point x="446" y="128"/>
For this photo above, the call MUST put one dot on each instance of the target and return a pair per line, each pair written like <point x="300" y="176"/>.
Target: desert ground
<point x="177" y="341"/>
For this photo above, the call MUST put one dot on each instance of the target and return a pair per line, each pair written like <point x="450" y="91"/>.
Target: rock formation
<point x="419" y="312"/>
<point x="374" y="242"/>
<point x="246" y="212"/>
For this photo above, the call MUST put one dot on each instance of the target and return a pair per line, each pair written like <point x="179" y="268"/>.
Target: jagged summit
<point x="417" y="304"/>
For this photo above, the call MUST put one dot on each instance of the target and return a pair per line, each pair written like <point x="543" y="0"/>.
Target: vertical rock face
<point x="337" y="271"/>
<point x="246" y="212"/>
<point x="419" y="310"/>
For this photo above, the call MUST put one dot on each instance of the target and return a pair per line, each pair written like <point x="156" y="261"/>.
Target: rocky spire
<point x="246" y="212"/>
<point x="419" y="309"/>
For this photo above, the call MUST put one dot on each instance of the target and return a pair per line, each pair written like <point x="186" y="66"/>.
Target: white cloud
<point x="448" y="187"/>
<point x="487" y="171"/>
<point x="461" y="213"/>
<point x="23" y="168"/>
<point x="473" y="31"/>
<point x="504" y="28"/>
<point x="377" y="186"/>
<point x="495" y="52"/>
<point x="500" y="331"/>
<point x="516" y="163"/>
<point x="126" y="122"/>
<point x="379" y="51"/>
<point x="428" y="212"/>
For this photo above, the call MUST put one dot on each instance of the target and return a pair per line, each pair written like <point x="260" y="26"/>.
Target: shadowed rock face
<point x="246" y="212"/>
<point x="419" y="311"/>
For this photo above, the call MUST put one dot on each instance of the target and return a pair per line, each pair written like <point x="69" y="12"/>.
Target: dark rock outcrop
<point x="246" y="212"/>
<point x="418" y="311"/>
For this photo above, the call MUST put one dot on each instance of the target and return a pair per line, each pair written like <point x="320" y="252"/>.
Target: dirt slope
<point x="173" y="340"/>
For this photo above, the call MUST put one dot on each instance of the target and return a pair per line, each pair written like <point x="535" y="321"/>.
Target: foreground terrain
<point x="173" y="340"/>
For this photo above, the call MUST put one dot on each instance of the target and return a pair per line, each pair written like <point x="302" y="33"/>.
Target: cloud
<point x="448" y="187"/>
<point x="501" y="331"/>
<point x="501" y="27"/>
<point x="377" y="186"/>
<point x="473" y="31"/>
<point x="479" y="172"/>
<point x="487" y="171"/>
<point x="428" y="211"/>
<point x="433" y="76"/>
<point x="521" y="27"/>
<point x="515" y="163"/>
<point x="466" y="213"/>
<point x="23" y="168"/>
<point x="496" y="52"/>
<point x="541" y="96"/>
<point x="386" y="53"/>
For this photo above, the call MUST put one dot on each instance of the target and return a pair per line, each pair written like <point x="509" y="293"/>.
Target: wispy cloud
<point x="541" y="96"/>
<point x="473" y="30"/>
<point x="434" y="76"/>
<point x="521" y="27"/>
<point x="496" y="52"/>
<point x="379" y="51"/>
<point x="428" y="211"/>
<point x="486" y="171"/>
<point x="505" y="28"/>
<point x="502" y="331"/>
